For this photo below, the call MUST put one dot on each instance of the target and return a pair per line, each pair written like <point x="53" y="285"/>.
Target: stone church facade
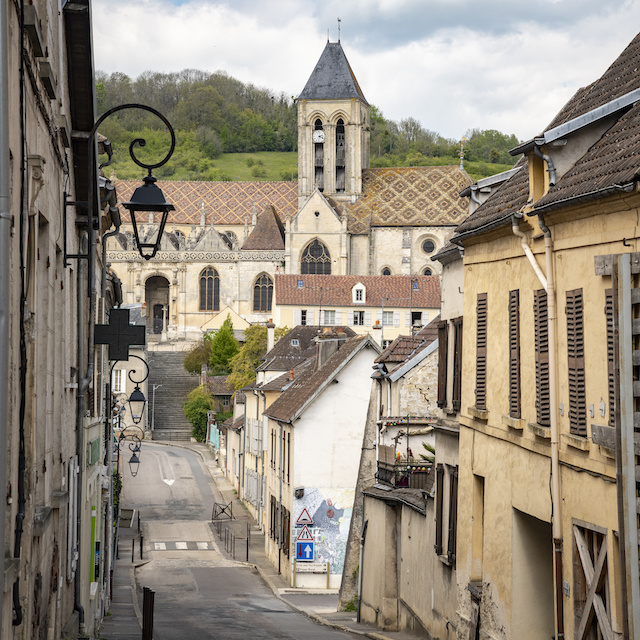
<point x="226" y="241"/>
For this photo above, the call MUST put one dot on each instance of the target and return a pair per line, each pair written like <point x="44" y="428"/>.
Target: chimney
<point x="327" y="343"/>
<point x="271" y="335"/>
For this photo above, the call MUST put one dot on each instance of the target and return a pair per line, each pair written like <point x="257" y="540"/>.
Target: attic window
<point x="300" y="284"/>
<point x="415" y="286"/>
<point x="295" y="342"/>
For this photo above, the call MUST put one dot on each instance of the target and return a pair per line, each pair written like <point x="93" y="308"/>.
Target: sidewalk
<point x="124" y="621"/>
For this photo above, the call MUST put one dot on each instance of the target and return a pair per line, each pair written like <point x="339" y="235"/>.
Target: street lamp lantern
<point x="148" y="199"/>
<point x="137" y="403"/>
<point x="134" y="464"/>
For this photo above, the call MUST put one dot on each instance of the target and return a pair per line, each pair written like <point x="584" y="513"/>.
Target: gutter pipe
<point x="363" y="537"/>
<point x="550" y="166"/>
<point x="548" y="283"/>
<point x="5" y="264"/>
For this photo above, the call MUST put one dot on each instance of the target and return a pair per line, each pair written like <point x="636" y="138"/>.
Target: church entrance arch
<point x="157" y="303"/>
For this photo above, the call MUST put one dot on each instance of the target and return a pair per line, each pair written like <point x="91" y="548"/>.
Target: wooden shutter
<point x="481" y="352"/>
<point x="514" y="354"/>
<point x="367" y="318"/>
<point x="541" y="329"/>
<point x="453" y="515"/>
<point x="611" y="364"/>
<point x="442" y="362"/>
<point x="439" y="496"/>
<point x="575" y="352"/>
<point x="310" y="316"/>
<point x="457" y="364"/>
<point x="407" y="318"/>
<point x="396" y="318"/>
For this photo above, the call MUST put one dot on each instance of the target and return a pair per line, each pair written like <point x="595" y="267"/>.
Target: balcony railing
<point x="411" y="474"/>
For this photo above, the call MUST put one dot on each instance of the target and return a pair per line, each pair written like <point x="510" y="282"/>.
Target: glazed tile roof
<point x="319" y="290"/>
<point x="306" y="385"/>
<point x="408" y="196"/>
<point x="286" y="354"/>
<point x="332" y="77"/>
<point x="268" y="234"/>
<point x="227" y="202"/>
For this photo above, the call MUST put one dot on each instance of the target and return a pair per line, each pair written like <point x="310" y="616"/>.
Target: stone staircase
<point x="166" y="368"/>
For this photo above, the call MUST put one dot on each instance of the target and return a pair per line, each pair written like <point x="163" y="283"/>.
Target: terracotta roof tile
<point x="336" y="291"/>
<point x="226" y="202"/>
<point x="268" y="234"/>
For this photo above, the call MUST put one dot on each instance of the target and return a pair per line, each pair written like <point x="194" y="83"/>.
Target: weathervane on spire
<point x="339" y="29"/>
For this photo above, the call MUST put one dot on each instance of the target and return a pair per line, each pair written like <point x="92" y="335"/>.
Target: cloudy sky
<point x="453" y="65"/>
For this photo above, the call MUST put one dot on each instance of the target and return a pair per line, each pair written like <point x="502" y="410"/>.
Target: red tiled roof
<point x="396" y="291"/>
<point x="227" y="202"/>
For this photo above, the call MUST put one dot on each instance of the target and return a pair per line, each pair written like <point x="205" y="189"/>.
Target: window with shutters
<point x="575" y="354"/>
<point x="446" y="512"/>
<point x="285" y="533"/>
<point x="608" y="309"/>
<point x="358" y="318"/>
<point x="443" y="333"/>
<point x="387" y="318"/>
<point x="481" y="352"/>
<point x="541" y="345"/>
<point x="514" y="354"/>
<point x="457" y="363"/>
<point x="273" y="516"/>
<point x="303" y="317"/>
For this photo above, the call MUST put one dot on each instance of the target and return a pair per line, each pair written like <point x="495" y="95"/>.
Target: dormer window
<point x="300" y="284"/>
<point x="415" y="286"/>
<point x="359" y="294"/>
<point x="295" y="342"/>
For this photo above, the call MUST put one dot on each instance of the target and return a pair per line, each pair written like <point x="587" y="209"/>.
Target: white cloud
<point x="444" y="63"/>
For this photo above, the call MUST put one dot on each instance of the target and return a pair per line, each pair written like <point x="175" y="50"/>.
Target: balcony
<point x="411" y="474"/>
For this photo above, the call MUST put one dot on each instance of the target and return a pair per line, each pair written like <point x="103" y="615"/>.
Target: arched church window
<point x="316" y="259"/>
<point x="263" y="293"/>
<point x="428" y="271"/>
<point x="318" y="154"/>
<point x="340" y="156"/>
<point x="209" y="290"/>
<point x="386" y="271"/>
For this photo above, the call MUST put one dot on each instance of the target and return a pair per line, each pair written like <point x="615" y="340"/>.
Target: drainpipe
<point x="5" y="264"/>
<point x="550" y="166"/>
<point x="556" y="499"/>
<point x="259" y="488"/>
<point x="280" y="500"/>
<point x="548" y="283"/>
<point x="363" y="536"/>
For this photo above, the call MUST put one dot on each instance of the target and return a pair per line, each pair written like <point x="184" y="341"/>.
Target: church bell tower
<point x="333" y="129"/>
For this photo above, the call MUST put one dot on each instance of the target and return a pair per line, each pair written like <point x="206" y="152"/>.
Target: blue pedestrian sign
<point x="304" y="551"/>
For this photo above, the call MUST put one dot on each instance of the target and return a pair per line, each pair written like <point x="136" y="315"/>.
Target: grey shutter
<point x="338" y="320"/>
<point x="541" y="343"/>
<point x="379" y="317"/>
<point x="481" y="352"/>
<point x="349" y="318"/>
<point x="453" y="515"/>
<point x="442" y="363"/>
<point x="575" y="353"/>
<point x="310" y="313"/>
<point x="514" y="354"/>
<point x="367" y="318"/>
<point x="439" y="496"/>
<point x="396" y="318"/>
<point x="407" y="318"/>
<point x="611" y="364"/>
<point x="296" y="317"/>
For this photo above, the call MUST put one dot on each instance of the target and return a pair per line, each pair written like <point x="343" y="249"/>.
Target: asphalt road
<point x="199" y="593"/>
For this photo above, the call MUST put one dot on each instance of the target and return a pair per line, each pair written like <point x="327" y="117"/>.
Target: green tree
<point x="224" y="347"/>
<point x="195" y="408"/>
<point x="245" y="362"/>
<point x="198" y="355"/>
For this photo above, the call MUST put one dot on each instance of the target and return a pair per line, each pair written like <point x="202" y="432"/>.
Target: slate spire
<point x="332" y="78"/>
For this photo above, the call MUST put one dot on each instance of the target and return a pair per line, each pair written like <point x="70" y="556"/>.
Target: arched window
<point x="263" y="293"/>
<point x="340" y="157"/>
<point x="209" y="290"/>
<point x="316" y="259"/>
<point x="386" y="271"/>
<point x="427" y="271"/>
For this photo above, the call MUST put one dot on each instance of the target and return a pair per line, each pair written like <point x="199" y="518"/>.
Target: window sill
<point x="445" y="561"/>
<point x="540" y="431"/>
<point x="478" y="414"/>
<point x="577" y="442"/>
<point x="513" y="423"/>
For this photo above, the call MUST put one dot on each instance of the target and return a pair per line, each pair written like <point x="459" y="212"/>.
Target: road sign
<point x="305" y="535"/>
<point x="304" y="518"/>
<point x="304" y="551"/>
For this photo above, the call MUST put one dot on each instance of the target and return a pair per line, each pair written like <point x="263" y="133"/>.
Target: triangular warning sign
<point x="304" y="535"/>
<point x="304" y="518"/>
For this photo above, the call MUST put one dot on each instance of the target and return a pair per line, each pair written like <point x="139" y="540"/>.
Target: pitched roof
<point x="295" y="399"/>
<point x="397" y="291"/>
<point x="286" y="354"/>
<point x="218" y="386"/>
<point x="408" y="196"/>
<point x="225" y="202"/>
<point x="332" y="77"/>
<point x="268" y="234"/>
<point x="283" y="381"/>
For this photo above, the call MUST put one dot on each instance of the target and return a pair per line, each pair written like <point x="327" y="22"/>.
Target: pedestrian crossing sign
<point x="305" y="551"/>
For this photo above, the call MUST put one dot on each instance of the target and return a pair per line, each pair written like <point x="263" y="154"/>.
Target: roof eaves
<point x="489" y="226"/>
<point x="414" y="361"/>
<point x="584" y="197"/>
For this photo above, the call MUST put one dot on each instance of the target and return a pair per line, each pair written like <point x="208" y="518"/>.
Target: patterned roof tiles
<point x="397" y="291"/>
<point x="409" y="196"/>
<point x="227" y="202"/>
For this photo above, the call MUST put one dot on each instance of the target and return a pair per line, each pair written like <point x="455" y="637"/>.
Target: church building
<point x="226" y="241"/>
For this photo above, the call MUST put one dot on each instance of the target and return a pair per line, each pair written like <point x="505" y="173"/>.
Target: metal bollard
<point x="138" y="522"/>
<point x="148" y="599"/>
<point x="141" y="543"/>
<point x="133" y="548"/>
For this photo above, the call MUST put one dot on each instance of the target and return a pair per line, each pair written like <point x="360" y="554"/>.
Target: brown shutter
<point x="608" y="309"/>
<point x="541" y="328"/>
<point x="443" y="335"/>
<point x="439" y="496"/>
<point x="481" y="352"/>
<point x="453" y="515"/>
<point x="575" y="352"/>
<point x="457" y="364"/>
<point x="514" y="354"/>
